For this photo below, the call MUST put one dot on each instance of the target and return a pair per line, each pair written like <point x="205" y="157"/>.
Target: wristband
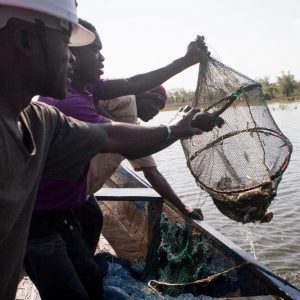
<point x="169" y="131"/>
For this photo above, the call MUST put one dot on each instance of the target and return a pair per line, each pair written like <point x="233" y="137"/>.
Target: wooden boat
<point x="132" y="209"/>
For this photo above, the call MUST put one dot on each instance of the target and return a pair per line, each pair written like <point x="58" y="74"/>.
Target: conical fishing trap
<point x="241" y="164"/>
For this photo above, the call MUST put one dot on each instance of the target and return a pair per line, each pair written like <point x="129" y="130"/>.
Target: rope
<point x="203" y="282"/>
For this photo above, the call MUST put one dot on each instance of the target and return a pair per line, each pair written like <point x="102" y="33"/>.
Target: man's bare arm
<point x="134" y="141"/>
<point x="197" y="52"/>
<point x="162" y="186"/>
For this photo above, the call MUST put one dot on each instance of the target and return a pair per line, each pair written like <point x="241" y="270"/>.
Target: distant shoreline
<point x="279" y="100"/>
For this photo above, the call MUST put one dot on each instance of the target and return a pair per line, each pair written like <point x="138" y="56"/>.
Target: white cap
<point x="55" y="14"/>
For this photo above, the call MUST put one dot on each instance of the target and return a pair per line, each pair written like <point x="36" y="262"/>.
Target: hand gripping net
<point x="241" y="164"/>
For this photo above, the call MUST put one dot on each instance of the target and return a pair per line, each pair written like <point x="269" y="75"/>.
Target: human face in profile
<point x="148" y="105"/>
<point x="89" y="61"/>
<point x="58" y="68"/>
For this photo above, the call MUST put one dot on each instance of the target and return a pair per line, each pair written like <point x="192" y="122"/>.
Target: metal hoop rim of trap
<point x="263" y="130"/>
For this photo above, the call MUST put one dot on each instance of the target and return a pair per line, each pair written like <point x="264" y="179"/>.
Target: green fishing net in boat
<point x="241" y="164"/>
<point x="182" y="257"/>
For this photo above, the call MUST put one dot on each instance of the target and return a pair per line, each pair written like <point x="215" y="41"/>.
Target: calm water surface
<point x="276" y="244"/>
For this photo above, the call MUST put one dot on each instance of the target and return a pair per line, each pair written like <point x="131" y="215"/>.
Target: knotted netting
<point x="241" y="164"/>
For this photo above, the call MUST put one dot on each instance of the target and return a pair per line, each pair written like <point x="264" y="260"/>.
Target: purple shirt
<point x="76" y="105"/>
<point x="57" y="193"/>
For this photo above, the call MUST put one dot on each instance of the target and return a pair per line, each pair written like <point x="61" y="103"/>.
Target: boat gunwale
<point x="282" y="287"/>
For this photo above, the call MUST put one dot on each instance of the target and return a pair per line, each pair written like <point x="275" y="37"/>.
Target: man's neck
<point x="78" y="85"/>
<point x="15" y="94"/>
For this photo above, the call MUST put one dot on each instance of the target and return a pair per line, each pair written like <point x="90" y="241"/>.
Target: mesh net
<point x="183" y="256"/>
<point x="240" y="165"/>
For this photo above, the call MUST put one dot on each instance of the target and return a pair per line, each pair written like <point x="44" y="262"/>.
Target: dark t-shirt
<point x="62" y="145"/>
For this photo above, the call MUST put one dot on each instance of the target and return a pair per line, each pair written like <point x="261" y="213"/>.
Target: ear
<point x="23" y="38"/>
<point x="74" y="52"/>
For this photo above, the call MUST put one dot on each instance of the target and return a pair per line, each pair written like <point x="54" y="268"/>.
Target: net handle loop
<point x="231" y="98"/>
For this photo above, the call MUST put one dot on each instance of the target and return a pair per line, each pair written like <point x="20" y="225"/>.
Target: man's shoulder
<point x="68" y="101"/>
<point x="122" y="109"/>
<point x="37" y="112"/>
<point x="73" y="105"/>
<point x="40" y="108"/>
<point x="47" y="100"/>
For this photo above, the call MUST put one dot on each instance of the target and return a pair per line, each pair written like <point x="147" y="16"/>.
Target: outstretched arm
<point x="196" y="52"/>
<point x="134" y="141"/>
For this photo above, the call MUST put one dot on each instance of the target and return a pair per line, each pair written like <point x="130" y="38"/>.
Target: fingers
<point x="195" y="110"/>
<point x="201" y="44"/>
<point x="197" y="214"/>
<point x="187" y="108"/>
<point x="200" y="39"/>
<point x="183" y="109"/>
<point x="196" y="131"/>
<point x="219" y="122"/>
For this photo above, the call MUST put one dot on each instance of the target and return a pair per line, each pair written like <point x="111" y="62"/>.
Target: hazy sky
<point x="257" y="38"/>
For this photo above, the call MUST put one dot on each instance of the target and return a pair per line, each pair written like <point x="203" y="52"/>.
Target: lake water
<point x="276" y="244"/>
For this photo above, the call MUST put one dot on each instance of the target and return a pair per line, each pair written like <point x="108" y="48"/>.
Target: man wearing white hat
<point x="34" y="37"/>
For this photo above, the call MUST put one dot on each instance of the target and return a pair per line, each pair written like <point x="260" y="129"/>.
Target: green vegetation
<point x="285" y="89"/>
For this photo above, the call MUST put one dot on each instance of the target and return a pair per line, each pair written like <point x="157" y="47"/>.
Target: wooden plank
<point x="127" y="194"/>
<point x="128" y="226"/>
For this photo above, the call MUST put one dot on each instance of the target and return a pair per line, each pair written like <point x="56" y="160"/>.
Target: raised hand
<point x="197" y="51"/>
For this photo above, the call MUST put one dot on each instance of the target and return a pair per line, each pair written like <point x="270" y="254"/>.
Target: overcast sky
<point x="257" y="38"/>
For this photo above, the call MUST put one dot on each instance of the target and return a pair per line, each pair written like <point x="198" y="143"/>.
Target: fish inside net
<point x="241" y="164"/>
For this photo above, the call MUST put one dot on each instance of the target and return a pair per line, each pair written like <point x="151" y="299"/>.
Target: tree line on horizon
<point x="285" y="86"/>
